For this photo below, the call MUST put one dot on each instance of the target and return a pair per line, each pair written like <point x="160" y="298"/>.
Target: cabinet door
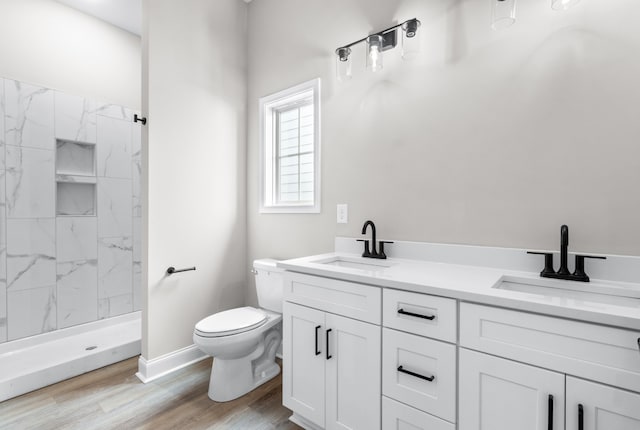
<point x="304" y="370"/>
<point x="353" y="374"/>
<point x="498" y="394"/>
<point x="603" y="407"/>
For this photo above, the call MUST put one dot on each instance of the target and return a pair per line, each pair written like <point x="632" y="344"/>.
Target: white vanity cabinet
<point x="331" y="376"/>
<point x="503" y="393"/>
<point x="418" y="369"/>
<point x="363" y="357"/>
<point x="499" y="394"/>
<point x="304" y="363"/>
<point x="592" y="406"/>
<point x="398" y="416"/>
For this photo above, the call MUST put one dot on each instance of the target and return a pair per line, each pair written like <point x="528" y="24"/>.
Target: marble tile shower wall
<point x="57" y="270"/>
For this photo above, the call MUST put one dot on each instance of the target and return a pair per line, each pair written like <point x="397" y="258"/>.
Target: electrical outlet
<point x="343" y="213"/>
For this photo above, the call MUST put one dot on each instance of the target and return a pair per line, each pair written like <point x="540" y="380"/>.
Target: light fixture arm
<point x="380" y="33"/>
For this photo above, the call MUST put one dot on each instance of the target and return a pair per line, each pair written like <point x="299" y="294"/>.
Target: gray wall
<point x="488" y="138"/>
<point x="194" y="151"/>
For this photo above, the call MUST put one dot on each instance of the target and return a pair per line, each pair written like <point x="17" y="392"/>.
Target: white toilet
<point x="244" y="341"/>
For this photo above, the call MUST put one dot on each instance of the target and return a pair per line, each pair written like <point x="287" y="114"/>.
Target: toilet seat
<point x="233" y="321"/>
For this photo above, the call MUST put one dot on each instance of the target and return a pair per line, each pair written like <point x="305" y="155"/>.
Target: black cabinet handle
<point x="327" y="347"/>
<point x="580" y="417"/>
<point x="411" y="314"/>
<point x="639" y="344"/>
<point x="550" y="423"/>
<point x="417" y="375"/>
<point x="317" y="349"/>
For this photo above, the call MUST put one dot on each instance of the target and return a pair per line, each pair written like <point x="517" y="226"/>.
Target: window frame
<point x="269" y="108"/>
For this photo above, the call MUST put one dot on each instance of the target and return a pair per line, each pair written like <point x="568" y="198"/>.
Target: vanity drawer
<point x="425" y="358"/>
<point x="398" y="416"/>
<point x="595" y="352"/>
<point x="358" y="301"/>
<point x="434" y="317"/>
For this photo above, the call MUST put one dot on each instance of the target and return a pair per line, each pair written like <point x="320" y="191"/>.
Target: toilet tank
<point x="269" y="284"/>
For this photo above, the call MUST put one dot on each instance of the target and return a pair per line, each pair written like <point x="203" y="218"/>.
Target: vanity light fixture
<point x="410" y="43"/>
<point x="377" y="43"/>
<point x="343" y="64"/>
<point x="503" y="14"/>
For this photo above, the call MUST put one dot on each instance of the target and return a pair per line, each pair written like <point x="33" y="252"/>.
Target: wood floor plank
<point x="113" y="398"/>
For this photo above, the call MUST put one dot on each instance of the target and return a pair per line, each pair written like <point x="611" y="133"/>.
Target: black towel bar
<point x="171" y="270"/>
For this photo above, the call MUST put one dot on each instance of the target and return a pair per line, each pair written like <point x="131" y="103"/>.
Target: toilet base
<point x="231" y="379"/>
<point x="232" y="384"/>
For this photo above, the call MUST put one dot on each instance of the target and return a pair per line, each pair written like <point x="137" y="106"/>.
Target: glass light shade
<point x="374" y="52"/>
<point x="343" y="64"/>
<point x="503" y="14"/>
<point x="410" y="39"/>
<point x="562" y="4"/>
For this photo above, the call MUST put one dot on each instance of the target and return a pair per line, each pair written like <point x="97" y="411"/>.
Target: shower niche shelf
<point x="75" y="158"/>
<point x="76" y="199"/>
<point x="75" y="178"/>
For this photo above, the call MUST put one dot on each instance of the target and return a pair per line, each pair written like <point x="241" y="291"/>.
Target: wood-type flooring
<point x="114" y="398"/>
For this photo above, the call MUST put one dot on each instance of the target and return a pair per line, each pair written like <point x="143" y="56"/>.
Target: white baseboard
<point x="149" y="370"/>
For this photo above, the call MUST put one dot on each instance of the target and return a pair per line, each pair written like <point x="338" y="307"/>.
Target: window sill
<point x="290" y="210"/>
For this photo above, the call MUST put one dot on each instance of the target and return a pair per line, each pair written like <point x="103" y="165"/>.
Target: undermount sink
<point x="618" y="294"/>
<point x="355" y="263"/>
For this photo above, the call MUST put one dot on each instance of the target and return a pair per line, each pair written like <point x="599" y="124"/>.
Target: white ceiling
<point x="126" y="14"/>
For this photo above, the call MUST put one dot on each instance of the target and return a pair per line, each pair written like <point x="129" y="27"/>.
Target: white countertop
<point x="476" y="284"/>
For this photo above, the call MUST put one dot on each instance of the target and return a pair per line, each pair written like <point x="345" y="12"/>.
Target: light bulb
<point x="374" y="52"/>
<point x="410" y="39"/>
<point x="343" y="64"/>
<point x="503" y="14"/>
<point x="375" y="58"/>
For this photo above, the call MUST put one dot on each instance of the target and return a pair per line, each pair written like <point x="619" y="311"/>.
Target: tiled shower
<point x="70" y="214"/>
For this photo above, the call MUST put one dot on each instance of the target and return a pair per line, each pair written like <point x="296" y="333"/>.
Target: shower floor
<point x="35" y="362"/>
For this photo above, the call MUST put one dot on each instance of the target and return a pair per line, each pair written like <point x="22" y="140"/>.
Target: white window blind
<point x="295" y="154"/>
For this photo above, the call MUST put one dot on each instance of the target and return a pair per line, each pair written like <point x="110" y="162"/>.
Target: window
<point x="290" y="150"/>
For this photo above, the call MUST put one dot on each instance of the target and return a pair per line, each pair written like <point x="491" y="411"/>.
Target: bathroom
<point x="488" y="138"/>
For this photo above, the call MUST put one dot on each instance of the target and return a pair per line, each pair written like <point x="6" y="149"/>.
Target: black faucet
<point x="373" y="252"/>
<point x="563" y="272"/>
<point x="564" y="245"/>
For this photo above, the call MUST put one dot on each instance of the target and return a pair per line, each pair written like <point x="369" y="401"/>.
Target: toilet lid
<point x="231" y="322"/>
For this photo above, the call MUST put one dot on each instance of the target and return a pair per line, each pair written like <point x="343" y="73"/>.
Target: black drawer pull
<point x="550" y="413"/>
<point x="411" y="314"/>
<point x="580" y="417"/>
<point x="317" y="349"/>
<point x="417" y="375"/>
<point x="327" y="346"/>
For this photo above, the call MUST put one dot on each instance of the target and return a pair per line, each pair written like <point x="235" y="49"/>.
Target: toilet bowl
<point x="243" y="341"/>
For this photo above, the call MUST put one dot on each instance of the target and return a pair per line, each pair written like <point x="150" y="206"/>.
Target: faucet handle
<point x="548" y="263"/>
<point x="381" y="253"/>
<point x="579" y="272"/>
<point x="366" y="252"/>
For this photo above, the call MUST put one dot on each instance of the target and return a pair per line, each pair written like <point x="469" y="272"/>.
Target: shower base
<point x="35" y="362"/>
